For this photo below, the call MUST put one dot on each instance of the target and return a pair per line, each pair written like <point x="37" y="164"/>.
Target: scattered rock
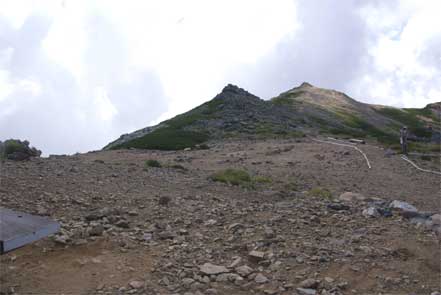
<point x="211" y="269"/>
<point x="338" y="206"/>
<point x="244" y="270"/>
<point x="402" y="206"/>
<point x="96" y="230"/>
<point x="122" y="223"/>
<point x="371" y="212"/>
<point x="260" y="279"/>
<point x="309" y="284"/>
<point x="305" y="291"/>
<point x="136" y="284"/>
<point x="351" y="197"/>
<point x="256" y="255"/>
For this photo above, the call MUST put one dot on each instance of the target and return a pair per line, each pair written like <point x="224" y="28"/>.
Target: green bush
<point x="153" y="163"/>
<point x="262" y="179"/>
<point x="291" y="186"/>
<point x="232" y="176"/>
<point x="12" y="146"/>
<point x="320" y="193"/>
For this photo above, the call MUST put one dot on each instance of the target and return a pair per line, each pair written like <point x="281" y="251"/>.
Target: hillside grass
<point x="320" y="192"/>
<point x="173" y="134"/>
<point x="166" y="138"/>
<point x="240" y="177"/>
<point x="409" y="118"/>
<point x="353" y="126"/>
<point x="232" y="176"/>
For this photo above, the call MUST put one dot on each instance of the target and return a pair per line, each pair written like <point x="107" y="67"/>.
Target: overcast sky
<point x="74" y="75"/>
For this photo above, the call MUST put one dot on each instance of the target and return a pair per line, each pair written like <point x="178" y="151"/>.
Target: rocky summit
<point x="301" y="194"/>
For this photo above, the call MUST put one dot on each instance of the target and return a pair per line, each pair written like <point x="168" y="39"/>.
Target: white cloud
<point x="397" y="72"/>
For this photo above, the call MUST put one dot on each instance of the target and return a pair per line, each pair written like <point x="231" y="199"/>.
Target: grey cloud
<point x="62" y="118"/>
<point x="326" y="51"/>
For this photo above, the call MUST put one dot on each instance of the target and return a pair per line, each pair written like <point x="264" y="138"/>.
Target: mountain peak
<point x="233" y="92"/>
<point x="305" y="85"/>
<point x="231" y="88"/>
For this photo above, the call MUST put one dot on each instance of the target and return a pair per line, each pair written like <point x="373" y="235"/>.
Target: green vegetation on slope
<point x="172" y="136"/>
<point x="409" y="117"/>
<point x="365" y="129"/>
<point x="165" y="138"/>
<point x="240" y="177"/>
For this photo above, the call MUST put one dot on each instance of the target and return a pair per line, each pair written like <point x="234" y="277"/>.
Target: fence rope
<point x="421" y="169"/>
<point x="347" y="145"/>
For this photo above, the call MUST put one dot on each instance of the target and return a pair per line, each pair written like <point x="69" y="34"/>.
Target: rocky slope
<point x="316" y="221"/>
<point x="302" y="110"/>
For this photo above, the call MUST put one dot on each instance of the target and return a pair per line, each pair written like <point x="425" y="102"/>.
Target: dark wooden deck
<point x="18" y="229"/>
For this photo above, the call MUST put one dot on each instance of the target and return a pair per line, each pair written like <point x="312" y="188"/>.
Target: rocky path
<point x="131" y="230"/>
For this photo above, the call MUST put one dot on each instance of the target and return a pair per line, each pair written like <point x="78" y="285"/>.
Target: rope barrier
<point x="421" y="169"/>
<point x="347" y="145"/>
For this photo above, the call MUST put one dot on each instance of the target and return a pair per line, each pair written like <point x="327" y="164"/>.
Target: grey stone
<point x="257" y="255"/>
<point x="436" y="219"/>
<point x="305" y="291"/>
<point x="211" y="269"/>
<point x="244" y="270"/>
<point x="96" y="230"/>
<point x="260" y="279"/>
<point x="309" y="284"/>
<point x="136" y="284"/>
<point x="122" y="223"/>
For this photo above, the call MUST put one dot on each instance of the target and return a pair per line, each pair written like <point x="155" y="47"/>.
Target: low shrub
<point x="232" y="176"/>
<point x="153" y="163"/>
<point x="320" y="193"/>
<point x="262" y="179"/>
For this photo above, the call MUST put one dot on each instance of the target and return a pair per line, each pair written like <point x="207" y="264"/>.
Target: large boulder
<point x="17" y="150"/>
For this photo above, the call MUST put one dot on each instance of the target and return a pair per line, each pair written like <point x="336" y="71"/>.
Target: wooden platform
<point x="18" y="229"/>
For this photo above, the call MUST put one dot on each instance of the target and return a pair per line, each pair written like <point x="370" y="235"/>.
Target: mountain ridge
<point x="305" y="109"/>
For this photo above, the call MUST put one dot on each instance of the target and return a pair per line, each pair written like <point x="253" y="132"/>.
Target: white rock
<point x="211" y="269"/>
<point x="304" y="291"/>
<point x="351" y="197"/>
<point x="371" y="212"/>
<point x="403" y="206"/>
